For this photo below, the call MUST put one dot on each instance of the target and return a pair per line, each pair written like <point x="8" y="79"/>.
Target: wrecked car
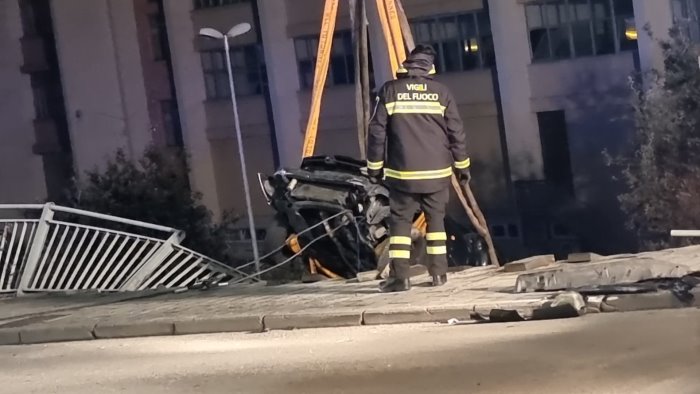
<point x="329" y="211"/>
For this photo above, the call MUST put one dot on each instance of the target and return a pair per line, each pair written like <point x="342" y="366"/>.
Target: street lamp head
<point x="239" y="29"/>
<point x="211" y="33"/>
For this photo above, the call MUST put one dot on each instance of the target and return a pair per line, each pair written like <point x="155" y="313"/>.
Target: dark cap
<point x="424" y="49"/>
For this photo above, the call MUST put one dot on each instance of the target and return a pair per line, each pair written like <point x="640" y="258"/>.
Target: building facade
<point x="542" y="86"/>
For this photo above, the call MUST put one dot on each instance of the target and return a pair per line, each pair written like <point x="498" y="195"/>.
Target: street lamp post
<point x="235" y="31"/>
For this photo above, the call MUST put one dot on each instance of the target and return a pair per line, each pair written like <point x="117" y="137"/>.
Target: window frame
<point x="464" y="37"/>
<point x="688" y="24"/>
<point x="310" y="45"/>
<point x="612" y="18"/>
<point x="219" y="72"/>
<point x="205" y="4"/>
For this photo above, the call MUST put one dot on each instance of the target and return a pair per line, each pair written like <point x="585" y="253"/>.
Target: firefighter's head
<point x="421" y="61"/>
<point x="424" y="51"/>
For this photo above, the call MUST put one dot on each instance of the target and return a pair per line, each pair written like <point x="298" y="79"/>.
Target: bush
<point x="662" y="171"/>
<point x="155" y="190"/>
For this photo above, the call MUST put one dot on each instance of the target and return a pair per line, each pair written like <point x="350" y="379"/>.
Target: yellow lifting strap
<point x="325" y="41"/>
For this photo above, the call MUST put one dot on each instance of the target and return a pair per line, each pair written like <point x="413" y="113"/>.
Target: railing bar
<point x="67" y="254"/>
<point x="46" y="252"/>
<point x="93" y="273"/>
<point x="32" y="235"/>
<point x="62" y="282"/>
<point x="92" y="259"/>
<point x="162" y="268"/>
<point x="114" y="219"/>
<point x="173" y="271"/>
<point x="104" y="230"/>
<point x="134" y="260"/>
<point x="3" y="241"/>
<point x="56" y="253"/>
<point x="108" y="267"/>
<point x="185" y="272"/>
<point x="194" y="276"/>
<point x="19" y="220"/>
<point x="5" y="266"/>
<point x="21" y="206"/>
<point x="117" y="269"/>
<point x="16" y="260"/>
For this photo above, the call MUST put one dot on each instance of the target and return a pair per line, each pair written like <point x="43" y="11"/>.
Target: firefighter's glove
<point x="465" y="176"/>
<point x="375" y="176"/>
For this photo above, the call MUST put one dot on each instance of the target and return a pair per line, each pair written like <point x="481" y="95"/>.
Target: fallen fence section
<point x="49" y="248"/>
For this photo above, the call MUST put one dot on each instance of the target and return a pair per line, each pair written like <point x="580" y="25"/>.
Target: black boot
<point x="439" y="280"/>
<point x="394" y="285"/>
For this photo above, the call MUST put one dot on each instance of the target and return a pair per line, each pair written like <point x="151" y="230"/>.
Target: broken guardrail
<point x="48" y="248"/>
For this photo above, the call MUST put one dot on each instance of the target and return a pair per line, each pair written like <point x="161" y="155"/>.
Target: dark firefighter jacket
<point x="416" y="133"/>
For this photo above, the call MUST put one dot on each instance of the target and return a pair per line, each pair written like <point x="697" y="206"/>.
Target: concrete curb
<point x="259" y="323"/>
<point x="30" y="335"/>
<point x="399" y="316"/>
<point x="216" y="325"/>
<point x="9" y="337"/>
<point x="312" y="320"/>
<point x="140" y="329"/>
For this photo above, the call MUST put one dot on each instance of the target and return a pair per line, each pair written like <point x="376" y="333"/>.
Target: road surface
<point x="648" y="352"/>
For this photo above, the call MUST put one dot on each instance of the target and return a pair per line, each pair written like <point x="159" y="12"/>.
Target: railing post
<point x="146" y="269"/>
<point x="35" y="249"/>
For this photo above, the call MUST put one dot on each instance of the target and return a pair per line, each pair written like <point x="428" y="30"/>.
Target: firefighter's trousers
<point x="404" y="206"/>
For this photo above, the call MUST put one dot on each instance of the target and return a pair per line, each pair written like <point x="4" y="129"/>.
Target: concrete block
<point x="9" y="337"/>
<point x="405" y="316"/>
<point x="214" y="325"/>
<point x="572" y="276"/>
<point x="582" y="257"/>
<point x="30" y="335"/>
<point x="529" y="263"/>
<point x="137" y="329"/>
<point x="304" y="320"/>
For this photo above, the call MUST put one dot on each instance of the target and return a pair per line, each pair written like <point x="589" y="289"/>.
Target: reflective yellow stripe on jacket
<point x="372" y="165"/>
<point x="461" y="165"/>
<point x="418" y="175"/>
<point x="415" y="107"/>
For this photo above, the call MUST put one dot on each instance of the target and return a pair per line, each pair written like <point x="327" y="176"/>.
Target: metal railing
<point x="40" y="252"/>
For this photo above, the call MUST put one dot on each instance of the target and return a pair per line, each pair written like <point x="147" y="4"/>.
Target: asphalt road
<point x="649" y="352"/>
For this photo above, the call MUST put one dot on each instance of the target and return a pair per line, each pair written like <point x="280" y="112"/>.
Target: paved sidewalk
<point x="254" y="308"/>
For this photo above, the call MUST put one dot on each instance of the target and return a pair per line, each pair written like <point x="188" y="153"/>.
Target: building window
<point x="342" y="64"/>
<point x="563" y="29"/>
<point x="159" y="40"/>
<point x="171" y="123"/>
<point x="216" y="3"/>
<point x="685" y="15"/>
<point x="248" y="66"/>
<point x="462" y="41"/>
<point x="556" y="156"/>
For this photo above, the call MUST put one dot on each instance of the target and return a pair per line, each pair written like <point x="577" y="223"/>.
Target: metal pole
<point x="244" y="171"/>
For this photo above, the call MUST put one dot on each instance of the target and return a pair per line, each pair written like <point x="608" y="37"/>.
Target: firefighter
<point x="416" y="139"/>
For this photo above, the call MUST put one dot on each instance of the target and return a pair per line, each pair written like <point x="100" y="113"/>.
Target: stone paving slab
<point x="255" y="308"/>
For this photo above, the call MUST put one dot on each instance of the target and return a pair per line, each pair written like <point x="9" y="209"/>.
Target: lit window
<point x="563" y="29"/>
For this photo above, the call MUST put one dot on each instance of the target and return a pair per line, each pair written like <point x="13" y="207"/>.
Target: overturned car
<point x="329" y="212"/>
